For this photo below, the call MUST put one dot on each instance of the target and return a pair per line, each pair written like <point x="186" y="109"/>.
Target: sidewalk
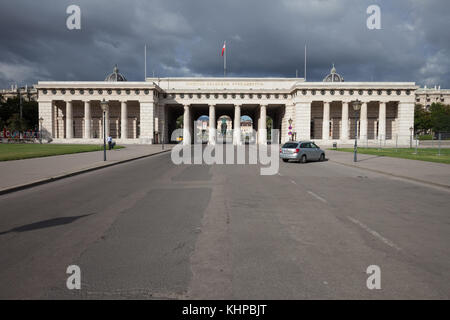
<point x="437" y="174"/>
<point x="19" y="174"/>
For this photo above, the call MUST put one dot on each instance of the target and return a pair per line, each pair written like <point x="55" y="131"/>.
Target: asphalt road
<point x="152" y="229"/>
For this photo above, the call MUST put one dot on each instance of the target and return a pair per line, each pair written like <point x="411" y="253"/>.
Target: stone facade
<point x="147" y="111"/>
<point x="426" y="96"/>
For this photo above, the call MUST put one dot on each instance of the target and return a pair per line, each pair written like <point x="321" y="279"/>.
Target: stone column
<point x="164" y="125"/>
<point x="344" y="127"/>
<point x="262" y="129"/>
<point x="405" y="120"/>
<point x="326" y="121"/>
<point x="382" y="121"/>
<point x="46" y="112"/>
<point x="146" y="114"/>
<point x="123" y="120"/>
<point x="69" y="120"/>
<point x="212" y="124"/>
<point x="187" y="125"/>
<point x="302" y="121"/>
<point x="87" y="119"/>
<point x="237" y="125"/>
<point x="363" y="122"/>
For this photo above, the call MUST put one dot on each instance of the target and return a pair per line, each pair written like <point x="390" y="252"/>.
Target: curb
<point x="71" y="174"/>
<point x="394" y="175"/>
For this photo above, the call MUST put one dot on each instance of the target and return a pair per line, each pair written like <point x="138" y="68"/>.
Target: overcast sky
<point x="264" y="38"/>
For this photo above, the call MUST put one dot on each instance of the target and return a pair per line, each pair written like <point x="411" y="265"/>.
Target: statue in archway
<point x="223" y="127"/>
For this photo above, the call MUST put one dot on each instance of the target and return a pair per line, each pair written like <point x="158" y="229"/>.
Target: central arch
<point x="224" y="127"/>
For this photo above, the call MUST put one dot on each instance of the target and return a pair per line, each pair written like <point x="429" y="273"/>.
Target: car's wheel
<point x="303" y="159"/>
<point x="285" y="160"/>
<point x="322" y="157"/>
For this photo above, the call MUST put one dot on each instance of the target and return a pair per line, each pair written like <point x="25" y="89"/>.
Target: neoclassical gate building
<point x="146" y="112"/>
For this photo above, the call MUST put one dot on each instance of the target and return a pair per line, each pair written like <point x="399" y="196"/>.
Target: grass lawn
<point x="18" y="151"/>
<point x="425" y="154"/>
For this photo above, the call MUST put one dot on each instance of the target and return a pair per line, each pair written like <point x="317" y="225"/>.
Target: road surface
<point x="150" y="229"/>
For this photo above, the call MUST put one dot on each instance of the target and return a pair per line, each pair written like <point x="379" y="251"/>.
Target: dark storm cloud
<point x="264" y="38"/>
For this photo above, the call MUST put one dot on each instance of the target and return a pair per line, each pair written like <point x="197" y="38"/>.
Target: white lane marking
<point x="317" y="197"/>
<point x="293" y="182"/>
<point x="374" y="233"/>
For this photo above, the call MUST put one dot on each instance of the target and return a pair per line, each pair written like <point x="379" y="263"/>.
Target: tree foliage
<point x="422" y="119"/>
<point x="10" y="113"/>
<point x="440" y="117"/>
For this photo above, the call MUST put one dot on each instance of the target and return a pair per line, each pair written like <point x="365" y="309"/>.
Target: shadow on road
<point x="46" y="224"/>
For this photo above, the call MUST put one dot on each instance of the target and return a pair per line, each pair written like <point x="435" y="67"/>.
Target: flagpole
<point x="305" y="62"/>
<point x="225" y="60"/>
<point x="145" y="62"/>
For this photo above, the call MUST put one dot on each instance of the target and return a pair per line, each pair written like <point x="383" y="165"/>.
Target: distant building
<point x="28" y="93"/>
<point x="426" y="96"/>
<point x="144" y="111"/>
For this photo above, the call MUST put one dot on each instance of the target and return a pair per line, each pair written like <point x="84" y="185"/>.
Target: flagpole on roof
<point x="305" y="62"/>
<point x="145" y="62"/>
<point x="225" y="60"/>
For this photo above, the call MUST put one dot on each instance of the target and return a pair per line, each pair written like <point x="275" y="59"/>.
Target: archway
<point x="201" y="129"/>
<point x="174" y="122"/>
<point x="224" y="127"/>
<point x="247" y="130"/>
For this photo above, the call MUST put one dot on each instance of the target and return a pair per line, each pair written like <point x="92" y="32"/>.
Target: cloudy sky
<point x="264" y="38"/>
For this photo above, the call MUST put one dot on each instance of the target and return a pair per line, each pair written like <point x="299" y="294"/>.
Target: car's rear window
<point x="290" y="145"/>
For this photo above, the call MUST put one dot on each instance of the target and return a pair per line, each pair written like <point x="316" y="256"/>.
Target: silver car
<point x="301" y="151"/>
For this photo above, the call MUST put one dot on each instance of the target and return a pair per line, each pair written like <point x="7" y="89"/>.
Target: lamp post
<point x="290" y="129"/>
<point x="356" y="106"/>
<point x="41" y="120"/>
<point x="411" y="137"/>
<point x="105" y="106"/>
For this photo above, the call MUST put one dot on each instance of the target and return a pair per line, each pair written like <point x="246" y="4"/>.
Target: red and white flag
<point x="223" y="48"/>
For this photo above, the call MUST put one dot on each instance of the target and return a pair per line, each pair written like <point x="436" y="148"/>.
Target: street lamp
<point x="105" y="107"/>
<point x="41" y="120"/>
<point x="411" y="137"/>
<point x="290" y="128"/>
<point x="356" y="106"/>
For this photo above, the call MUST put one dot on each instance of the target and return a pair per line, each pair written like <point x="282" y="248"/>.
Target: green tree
<point x="29" y="112"/>
<point x="269" y="126"/>
<point x="440" y="117"/>
<point x="14" y="123"/>
<point x="422" y="119"/>
<point x="179" y="122"/>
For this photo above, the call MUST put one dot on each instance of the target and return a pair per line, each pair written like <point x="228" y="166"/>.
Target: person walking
<point x="110" y="143"/>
